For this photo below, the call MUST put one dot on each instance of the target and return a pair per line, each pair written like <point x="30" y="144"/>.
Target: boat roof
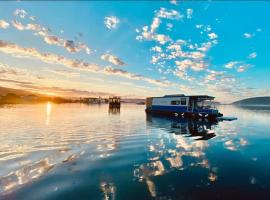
<point x="198" y="97"/>
<point x="201" y="97"/>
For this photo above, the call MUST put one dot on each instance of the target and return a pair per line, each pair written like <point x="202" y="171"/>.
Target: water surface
<point x="75" y="151"/>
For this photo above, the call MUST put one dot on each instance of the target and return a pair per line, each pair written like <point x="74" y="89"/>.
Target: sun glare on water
<point x="48" y="112"/>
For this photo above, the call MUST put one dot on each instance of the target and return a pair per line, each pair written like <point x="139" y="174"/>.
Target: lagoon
<point x="78" y="151"/>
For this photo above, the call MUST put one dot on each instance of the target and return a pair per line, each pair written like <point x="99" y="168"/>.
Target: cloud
<point x="155" y="24"/>
<point x="49" y="38"/>
<point x="112" y="59"/>
<point x="175" y="2"/>
<point x="20" y="13"/>
<point x="189" y="13"/>
<point x="161" y="38"/>
<point x="168" y="14"/>
<point x="126" y="74"/>
<point x="71" y="46"/>
<point x="111" y="22"/>
<point x="65" y="73"/>
<point x="4" y="24"/>
<point x="18" y="25"/>
<point x="194" y="65"/>
<point x="15" y="81"/>
<point x="4" y="70"/>
<point x="156" y="49"/>
<point x="214" y="76"/>
<point x="232" y="64"/>
<point x="212" y="36"/>
<point x="169" y="26"/>
<point x="252" y="55"/>
<point x="238" y="65"/>
<point x="150" y="35"/>
<point x="248" y="35"/>
<point x="33" y="18"/>
<point x="243" y="67"/>
<point x="15" y="50"/>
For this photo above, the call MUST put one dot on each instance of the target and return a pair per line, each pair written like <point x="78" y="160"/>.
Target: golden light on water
<point x="48" y="111"/>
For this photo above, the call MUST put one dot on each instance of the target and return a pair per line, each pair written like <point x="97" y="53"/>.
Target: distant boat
<point x="114" y="102"/>
<point x="179" y="105"/>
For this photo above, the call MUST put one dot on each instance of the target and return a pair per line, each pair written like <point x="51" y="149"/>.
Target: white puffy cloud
<point x="232" y="64"/>
<point x="248" y="35"/>
<point x="156" y="49"/>
<point x="189" y="13"/>
<point x="169" y="26"/>
<point x="168" y="14"/>
<point x="174" y="2"/>
<point x="212" y="35"/>
<point x="20" y="13"/>
<point x="33" y="18"/>
<point x="213" y="75"/>
<point x="243" y="67"/>
<point x="252" y="55"/>
<point x="111" y="22"/>
<point x="155" y="24"/>
<point x="161" y="38"/>
<point x="238" y="66"/>
<point x="112" y="59"/>
<point x="150" y="35"/>
<point x="194" y="65"/>
<point x="4" y="24"/>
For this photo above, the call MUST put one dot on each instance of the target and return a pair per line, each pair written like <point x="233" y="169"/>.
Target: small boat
<point x="114" y="102"/>
<point x="180" y="105"/>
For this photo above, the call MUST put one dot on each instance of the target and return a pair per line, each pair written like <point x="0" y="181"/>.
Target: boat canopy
<point x="201" y="97"/>
<point x="194" y="97"/>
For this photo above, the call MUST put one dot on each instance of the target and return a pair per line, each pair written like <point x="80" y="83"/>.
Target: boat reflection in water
<point x="201" y="129"/>
<point x="173" y="158"/>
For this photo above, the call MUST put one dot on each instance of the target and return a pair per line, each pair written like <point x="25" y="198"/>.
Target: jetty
<point x="114" y="102"/>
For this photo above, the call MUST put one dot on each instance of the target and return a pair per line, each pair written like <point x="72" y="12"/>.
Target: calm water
<point x="74" y="151"/>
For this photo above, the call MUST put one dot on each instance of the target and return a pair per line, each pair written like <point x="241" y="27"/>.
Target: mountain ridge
<point x="265" y="100"/>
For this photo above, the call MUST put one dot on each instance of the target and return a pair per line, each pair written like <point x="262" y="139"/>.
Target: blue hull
<point x="182" y="112"/>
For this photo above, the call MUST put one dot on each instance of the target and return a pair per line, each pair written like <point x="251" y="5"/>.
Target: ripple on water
<point x="87" y="150"/>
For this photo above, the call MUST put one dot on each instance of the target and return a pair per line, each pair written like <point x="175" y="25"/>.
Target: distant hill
<point x="4" y="91"/>
<point x="16" y="96"/>
<point x="255" y="101"/>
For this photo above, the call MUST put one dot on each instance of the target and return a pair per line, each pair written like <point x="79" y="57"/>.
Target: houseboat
<point x="114" y="102"/>
<point x="179" y="105"/>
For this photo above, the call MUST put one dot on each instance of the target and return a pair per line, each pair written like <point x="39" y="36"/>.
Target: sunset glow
<point x="187" y="47"/>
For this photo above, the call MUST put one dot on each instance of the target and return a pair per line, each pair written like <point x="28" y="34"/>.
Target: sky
<point x="136" y="49"/>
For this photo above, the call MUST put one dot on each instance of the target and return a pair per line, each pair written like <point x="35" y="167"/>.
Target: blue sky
<point x="136" y="49"/>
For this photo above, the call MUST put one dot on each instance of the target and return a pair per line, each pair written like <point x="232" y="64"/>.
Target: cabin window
<point x="183" y="101"/>
<point x="175" y="102"/>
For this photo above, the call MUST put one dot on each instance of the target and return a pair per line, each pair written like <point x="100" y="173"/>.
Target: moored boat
<point x="194" y="106"/>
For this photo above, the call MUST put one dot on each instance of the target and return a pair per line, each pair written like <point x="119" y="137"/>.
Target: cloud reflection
<point x="180" y="150"/>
